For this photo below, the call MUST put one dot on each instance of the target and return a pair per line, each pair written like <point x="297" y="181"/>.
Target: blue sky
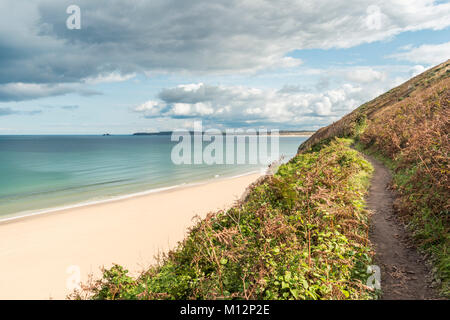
<point x="161" y="65"/>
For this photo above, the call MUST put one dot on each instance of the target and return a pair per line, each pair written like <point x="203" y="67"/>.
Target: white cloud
<point x="365" y="75"/>
<point x="238" y="105"/>
<point x="109" y="78"/>
<point x="150" y="108"/>
<point x="323" y="107"/>
<point x="417" y="69"/>
<point x="430" y="54"/>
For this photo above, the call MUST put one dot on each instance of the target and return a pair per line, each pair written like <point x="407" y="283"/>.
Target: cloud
<point x="244" y="106"/>
<point x="28" y="91"/>
<point x="32" y="112"/>
<point x="109" y="78"/>
<point x="65" y="107"/>
<point x="117" y="40"/>
<point x="415" y="70"/>
<point x="430" y="54"/>
<point x="365" y="75"/>
<point x="9" y="111"/>
<point x="70" y="107"/>
<point x="151" y="108"/>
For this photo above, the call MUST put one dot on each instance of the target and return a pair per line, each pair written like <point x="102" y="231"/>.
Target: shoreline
<point x="42" y="254"/>
<point x="296" y="135"/>
<point x="19" y="216"/>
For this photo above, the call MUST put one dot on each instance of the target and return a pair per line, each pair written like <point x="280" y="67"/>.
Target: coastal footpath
<point x="305" y="233"/>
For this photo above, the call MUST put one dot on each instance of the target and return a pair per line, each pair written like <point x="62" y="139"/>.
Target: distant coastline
<point x="299" y="133"/>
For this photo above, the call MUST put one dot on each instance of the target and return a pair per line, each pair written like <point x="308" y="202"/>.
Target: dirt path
<point x="404" y="274"/>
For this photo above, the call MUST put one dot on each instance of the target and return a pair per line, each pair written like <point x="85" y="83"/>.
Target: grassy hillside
<point x="303" y="233"/>
<point x="408" y="128"/>
<point x="351" y="124"/>
<point x="300" y="234"/>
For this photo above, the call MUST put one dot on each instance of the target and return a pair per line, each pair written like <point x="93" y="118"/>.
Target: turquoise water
<point x="43" y="172"/>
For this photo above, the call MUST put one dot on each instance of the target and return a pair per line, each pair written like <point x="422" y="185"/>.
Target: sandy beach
<point x="40" y="256"/>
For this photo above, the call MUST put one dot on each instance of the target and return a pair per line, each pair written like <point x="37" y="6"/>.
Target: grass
<point x="300" y="234"/>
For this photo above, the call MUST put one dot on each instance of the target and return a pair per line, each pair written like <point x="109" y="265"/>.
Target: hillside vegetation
<point x="300" y="234"/>
<point x="408" y="128"/>
<point x="303" y="233"/>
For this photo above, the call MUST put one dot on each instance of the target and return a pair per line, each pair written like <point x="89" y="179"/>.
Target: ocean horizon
<point x="45" y="173"/>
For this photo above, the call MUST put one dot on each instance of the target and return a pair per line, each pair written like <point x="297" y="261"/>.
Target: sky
<point x="160" y="65"/>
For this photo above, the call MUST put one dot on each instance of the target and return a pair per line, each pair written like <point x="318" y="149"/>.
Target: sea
<point x="44" y="173"/>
